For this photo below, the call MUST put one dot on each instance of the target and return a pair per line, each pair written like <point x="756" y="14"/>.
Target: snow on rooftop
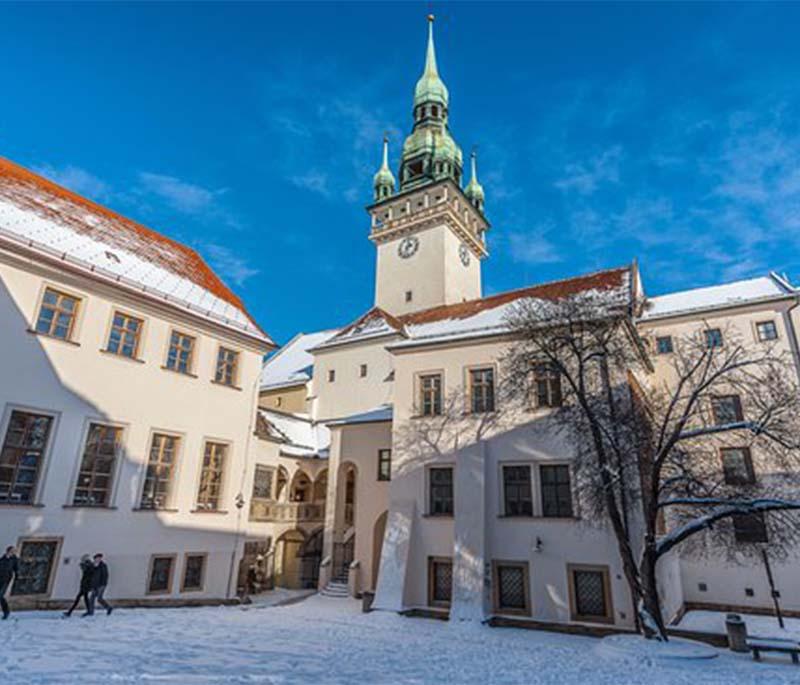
<point x="729" y="294"/>
<point x="382" y="413"/>
<point x="55" y="222"/>
<point x="303" y="437"/>
<point x="292" y="364"/>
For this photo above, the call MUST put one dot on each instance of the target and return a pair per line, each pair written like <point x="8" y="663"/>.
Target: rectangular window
<point x="430" y="391"/>
<point x="737" y="465"/>
<point x="511" y="587"/>
<point x="766" y="331"/>
<point x="440" y="581"/>
<point x="750" y="528"/>
<point x="227" y="366"/>
<point x="556" y="491"/>
<point x="96" y="474"/>
<point x="181" y="352"/>
<point x="37" y="559"/>
<point x="22" y="456"/>
<point x="124" y="337"/>
<point x="362" y="371"/>
<point x="726" y="409"/>
<point x="590" y="594"/>
<point x="331" y="375"/>
<point x="262" y="482"/>
<point x="713" y="337"/>
<point x="547" y="385"/>
<point x="440" y="481"/>
<point x="664" y="344"/>
<point x="160" y="580"/>
<point x="160" y="469"/>
<point x="57" y="314"/>
<point x="481" y="390"/>
<point x="384" y="464"/>
<point x="194" y="570"/>
<point x="409" y="296"/>
<point x="210" y="492"/>
<point x="517" y="491"/>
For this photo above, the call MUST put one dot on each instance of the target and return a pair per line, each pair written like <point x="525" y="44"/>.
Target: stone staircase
<point x="336" y="587"/>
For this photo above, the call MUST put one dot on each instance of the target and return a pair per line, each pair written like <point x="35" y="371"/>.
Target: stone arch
<point x="321" y="486"/>
<point x="288" y="559"/>
<point x="310" y="559"/>
<point x="300" y="489"/>
<point x="281" y="484"/>
<point x="378" y="531"/>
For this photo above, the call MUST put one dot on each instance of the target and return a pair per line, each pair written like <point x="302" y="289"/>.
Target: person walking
<point x="9" y="570"/>
<point x="87" y="573"/>
<point x="99" y="582"/>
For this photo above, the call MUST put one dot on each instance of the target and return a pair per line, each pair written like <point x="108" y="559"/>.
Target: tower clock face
<point x="463" y="254"/>
<point x="408" y="247"/>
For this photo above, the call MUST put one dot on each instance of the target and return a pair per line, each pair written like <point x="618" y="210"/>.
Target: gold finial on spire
<point x="430" y="18"/>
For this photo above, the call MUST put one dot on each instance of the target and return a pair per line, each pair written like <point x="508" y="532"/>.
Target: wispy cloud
<point x="533" y="247"/>
<point x="181" y="195"/>
<point x="76" y="179"/>
<point x="231" y="266"/>
<point x="585" y="177"/>
<point x="313" y="180"/>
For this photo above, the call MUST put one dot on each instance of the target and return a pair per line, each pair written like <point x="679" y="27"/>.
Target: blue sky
<point x="605" y="132"/>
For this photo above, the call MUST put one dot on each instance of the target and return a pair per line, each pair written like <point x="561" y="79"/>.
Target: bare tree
<point x="647" y="447"/>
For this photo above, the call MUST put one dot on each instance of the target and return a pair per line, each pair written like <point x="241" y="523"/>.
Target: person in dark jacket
<point x="87" y="573"/>
<point x="99" y="582"/>
<point x="9" y="569"/>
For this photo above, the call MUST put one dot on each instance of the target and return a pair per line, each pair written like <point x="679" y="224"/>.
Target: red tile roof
<point x="610" y="279"/>
<point x="34" y="193"/>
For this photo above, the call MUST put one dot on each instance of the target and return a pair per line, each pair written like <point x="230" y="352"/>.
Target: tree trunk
<point x="650" y="608"/>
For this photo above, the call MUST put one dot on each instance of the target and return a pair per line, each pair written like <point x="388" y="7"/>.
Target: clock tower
<point x="429" y="234"/>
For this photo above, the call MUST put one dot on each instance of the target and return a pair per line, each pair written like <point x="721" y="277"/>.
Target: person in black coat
<point x="99" y="582"/>
<point x="9" y="569"/>
<point x="87" y="573"/>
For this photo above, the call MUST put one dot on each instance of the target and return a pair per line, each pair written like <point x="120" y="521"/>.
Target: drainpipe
<point x="240" y="501"/>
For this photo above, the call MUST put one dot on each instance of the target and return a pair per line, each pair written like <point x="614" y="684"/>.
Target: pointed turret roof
<point x="430" y="87"/>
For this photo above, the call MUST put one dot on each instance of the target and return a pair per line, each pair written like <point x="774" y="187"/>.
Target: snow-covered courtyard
<point x="322" y="640"/>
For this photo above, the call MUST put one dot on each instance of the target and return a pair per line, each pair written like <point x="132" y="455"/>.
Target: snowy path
<point x="326" y="641"/>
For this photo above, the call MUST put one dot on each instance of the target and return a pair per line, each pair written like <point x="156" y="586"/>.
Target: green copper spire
<point x="474" y="190"/>
<point x="430" y="88"/>
<point x="430" y="153"/>
<point x="383" y="181"/>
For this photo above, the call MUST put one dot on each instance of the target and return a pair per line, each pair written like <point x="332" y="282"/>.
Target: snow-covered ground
<point x="757" y="626"/>
<point x="328" y="641"/>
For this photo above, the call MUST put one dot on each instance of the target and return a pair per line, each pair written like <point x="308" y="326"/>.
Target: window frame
<point x="429" y="491"/>
<point x="748" y="461"/>
<point x="738" y="532"/>
<point x="363" y="370"/>
<point x="235" y="372"/>
<point x="552" y="380"/>
<point x="383" y="459"/>
<point x="199" y="507"/>
<point x="757" y="326"/>
<point x="511" y="611"/>
<point x="419" y="380"/>
<point x="44" y="463"/>
<point x="137" y="352"/>
<point x="118" y="459"/>
<point x="503" y="499"/>
<point x="185" y="566"/>
<point x="177" y="460"/>
<point x="671" y="346"/>
<point x="331" y="375"/>
<point x="75" y="319"/>
<point x="190" y="370"/>
<point x="272" y="483"/>
<point x="603" y="569"/>
<point x="716" y="332"/>
<point x="21" y="540"/>
<point x="433" y="561"/>
<point x="739" y="411"/>
<point x="173" y="557"/>
<point x="561" y="464"/>
<point x="469" y="383"/>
